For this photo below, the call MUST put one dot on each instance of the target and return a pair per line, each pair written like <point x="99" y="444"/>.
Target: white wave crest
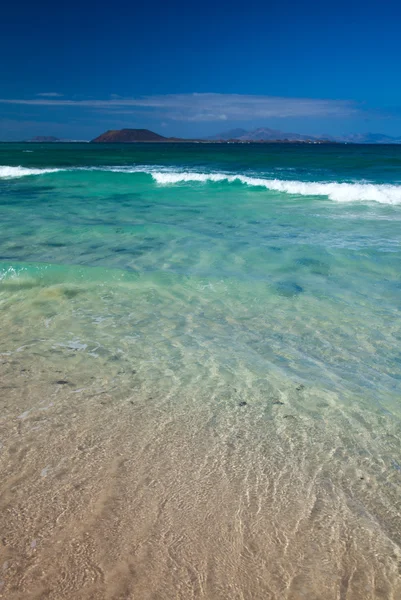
<point x="340" y="192"/>
<point x="13" y="172"/>
<point x="337" y="191"/>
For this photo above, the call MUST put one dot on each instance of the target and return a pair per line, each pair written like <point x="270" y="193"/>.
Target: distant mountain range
<point x="266" y="134"/>
<point x="262" y="134"/>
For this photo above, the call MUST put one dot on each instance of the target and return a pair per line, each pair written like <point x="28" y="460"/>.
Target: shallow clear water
<point x="247" y="297"/>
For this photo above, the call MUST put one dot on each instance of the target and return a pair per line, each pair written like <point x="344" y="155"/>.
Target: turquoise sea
<point x="244" y="303"/>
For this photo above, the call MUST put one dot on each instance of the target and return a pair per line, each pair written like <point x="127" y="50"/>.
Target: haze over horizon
<point x="186" y="72"/>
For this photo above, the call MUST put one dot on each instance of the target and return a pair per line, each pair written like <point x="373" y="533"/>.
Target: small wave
<point x="13" y="172"/>
<point x="340" y="192"/>
<point x="337" y="191"/>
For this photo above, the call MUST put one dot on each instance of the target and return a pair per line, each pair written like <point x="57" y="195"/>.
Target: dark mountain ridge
<point x="129" y="135"/>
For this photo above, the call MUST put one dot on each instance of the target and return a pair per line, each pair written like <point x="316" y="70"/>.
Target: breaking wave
<point x="13" y="172"/>
<point x="340" y="192"/>
<point x="337" y="191"/>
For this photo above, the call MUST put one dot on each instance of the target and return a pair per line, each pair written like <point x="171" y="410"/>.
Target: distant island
<point x="262" y="135"/>
<point x="127" y="136"/>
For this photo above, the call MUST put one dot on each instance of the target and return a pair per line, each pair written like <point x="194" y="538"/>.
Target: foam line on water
<point x="337" y="191"/>
<point x="7" y="172"/>
<point x="340" y="192"/>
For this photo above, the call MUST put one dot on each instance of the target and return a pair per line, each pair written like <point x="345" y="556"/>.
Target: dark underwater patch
<point x="71" y="292"/>
<point x="54" y="244"/>
<point x="25" y="195"/>
<point x="156" y="245"/>
<point x="124" y="197"/>
<point x="316" y="266"/>
<point x="289" y="289"/>
<point x="26" y="191"/>
<point x="195" y="211"/>
<point x="139" y="251"/>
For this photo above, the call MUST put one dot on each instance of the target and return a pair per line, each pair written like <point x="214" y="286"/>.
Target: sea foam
<point x="340" y="192"/>
<point x="13" y="172"/>
<point x="337" y="191"/>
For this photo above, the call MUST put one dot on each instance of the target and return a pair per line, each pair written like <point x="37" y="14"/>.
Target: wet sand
<point x="112" y="490"/>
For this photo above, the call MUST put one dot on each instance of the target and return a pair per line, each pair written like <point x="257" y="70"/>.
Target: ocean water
<point x="201" y="371"/>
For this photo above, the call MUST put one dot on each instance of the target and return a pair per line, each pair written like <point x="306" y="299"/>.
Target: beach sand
<point x="113" y="491"/>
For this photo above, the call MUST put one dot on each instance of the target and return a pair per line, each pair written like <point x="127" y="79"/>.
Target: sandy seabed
<point x="113" y="491"/>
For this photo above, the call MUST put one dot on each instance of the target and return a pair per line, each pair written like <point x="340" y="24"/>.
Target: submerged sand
<point x="145" y="456"/>
<point x="113" y="491"/>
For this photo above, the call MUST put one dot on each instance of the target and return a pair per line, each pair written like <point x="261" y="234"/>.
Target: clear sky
<point x="185" y="68"/>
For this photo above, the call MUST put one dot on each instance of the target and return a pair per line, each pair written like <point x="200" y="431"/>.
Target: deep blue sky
<point x="310" y="66"/>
